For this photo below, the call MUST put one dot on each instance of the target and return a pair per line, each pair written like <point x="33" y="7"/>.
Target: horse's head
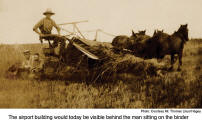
<point x="133" y="36"/>
<point x="133" y="39"/>
<point x="183" y="30"/>
<point x="157" y="32"/>
<point x="141" y="32"/>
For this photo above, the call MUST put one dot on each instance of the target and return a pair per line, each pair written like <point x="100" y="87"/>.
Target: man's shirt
<point x="26" y="64"/>
<point x="45" y="25"/>
<point x="37" y="64"/>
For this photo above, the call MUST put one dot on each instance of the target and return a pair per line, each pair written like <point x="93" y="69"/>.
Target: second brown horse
<point x="162" y="44"/>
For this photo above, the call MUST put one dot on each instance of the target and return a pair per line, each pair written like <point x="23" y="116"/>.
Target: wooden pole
<point x="107" y="33"/>
<point x="73" y="22"/>
<point x="96" y="33"/>
<point x="79" y="31"/>
<point x="66" y="30"/>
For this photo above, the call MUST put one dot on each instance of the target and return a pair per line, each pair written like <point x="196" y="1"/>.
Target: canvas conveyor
<point x="79" y="43"/>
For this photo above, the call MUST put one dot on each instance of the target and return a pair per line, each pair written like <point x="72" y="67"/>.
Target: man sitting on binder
<point x="45" y="26"/>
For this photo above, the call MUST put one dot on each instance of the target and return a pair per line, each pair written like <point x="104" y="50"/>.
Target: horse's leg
<point x="180" y="60"/>
<point x="172" y="61"/>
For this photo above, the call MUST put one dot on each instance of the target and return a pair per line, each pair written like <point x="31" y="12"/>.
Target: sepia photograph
<point x="101" y="54"/>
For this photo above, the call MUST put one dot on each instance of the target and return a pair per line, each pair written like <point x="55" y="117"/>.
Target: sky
<point x="117" y="17"/>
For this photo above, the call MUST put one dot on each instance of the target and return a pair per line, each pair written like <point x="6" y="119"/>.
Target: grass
<point x="124" y="88"/>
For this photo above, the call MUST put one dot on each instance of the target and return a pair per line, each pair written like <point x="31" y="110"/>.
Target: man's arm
<point x="35" y="28"/>
<point x="56" y="26"/>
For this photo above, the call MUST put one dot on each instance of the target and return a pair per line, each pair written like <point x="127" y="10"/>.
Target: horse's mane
<point x="182" y="33"/>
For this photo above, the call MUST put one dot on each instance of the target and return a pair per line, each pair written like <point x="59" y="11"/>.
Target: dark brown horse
<point x="121" y="42"/>
<point x="173" y="44"/>
<point x="141" y="35"/>
<point x="162" y="44"/>
<point x="124" y="42"/>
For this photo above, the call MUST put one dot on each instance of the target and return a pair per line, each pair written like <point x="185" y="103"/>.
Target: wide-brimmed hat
<point x="26" y="52"/>
<point x="48" y="11"/>
<point x="36" y="54"/>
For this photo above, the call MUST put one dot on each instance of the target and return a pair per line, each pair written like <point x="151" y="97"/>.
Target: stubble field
<point x="170" y="90"/>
